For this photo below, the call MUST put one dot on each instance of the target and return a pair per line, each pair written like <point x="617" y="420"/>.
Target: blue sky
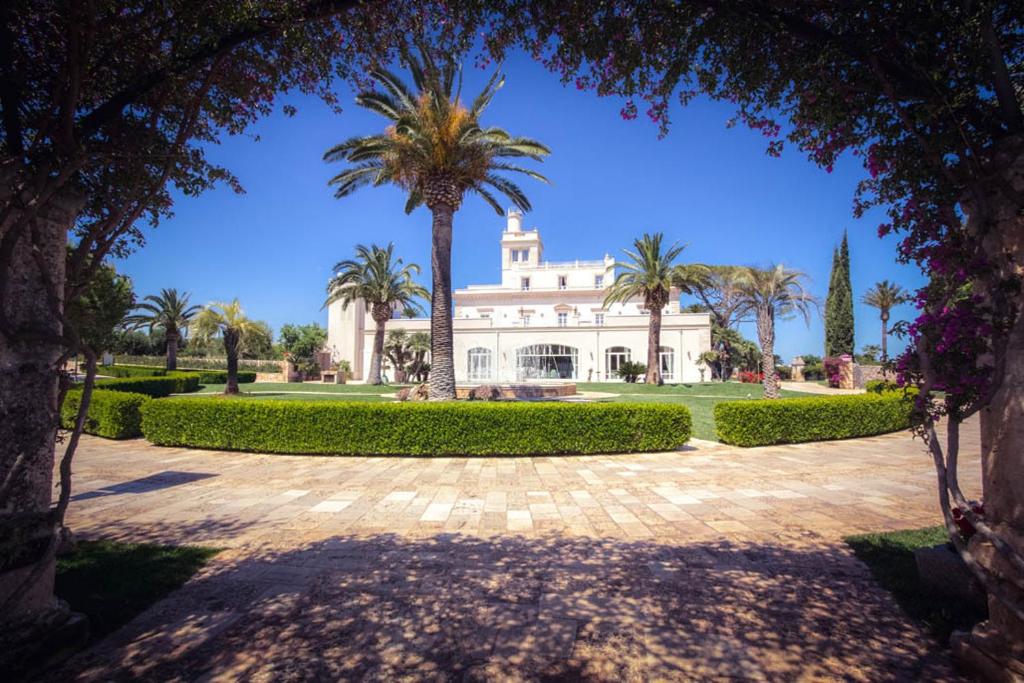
<point x="706" y="185"/>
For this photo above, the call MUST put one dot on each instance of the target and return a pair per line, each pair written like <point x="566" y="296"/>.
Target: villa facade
<point x="544" y="321"/>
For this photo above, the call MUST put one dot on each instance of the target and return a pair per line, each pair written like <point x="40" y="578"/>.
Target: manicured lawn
<point x="306" y="391"/>
<point x="891" y="559"/>
<point x="723" y="389"/>
<point x="700" y="398"/>
<point x="112" y="582"/>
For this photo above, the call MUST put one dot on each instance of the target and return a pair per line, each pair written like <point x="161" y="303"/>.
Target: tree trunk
<point x="172" y="351"/>
<point x="1000" y="640"/>
<point x="378" y="349"/>
<point x="442" y="363"/>
<point x="231" y="351"/>
<point x="766" y="335"/>
<point x="885" y="337"/>
<point x="30" y="354"/>
<point x="1002" y="462"/>
<point x="653" y="375"/>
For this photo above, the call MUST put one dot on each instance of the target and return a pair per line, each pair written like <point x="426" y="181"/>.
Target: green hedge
<point x="113" y="414"/>
<point x="131" y="371"/>
<point x="154" y="387"/>
<point x="205" y="376"/>
<point x="795" y="420"/>
<point x="341" y="428"/>
<point x="221" y="376"/>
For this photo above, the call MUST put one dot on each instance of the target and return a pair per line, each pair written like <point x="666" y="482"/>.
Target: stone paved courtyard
<point x="709" y="563"/>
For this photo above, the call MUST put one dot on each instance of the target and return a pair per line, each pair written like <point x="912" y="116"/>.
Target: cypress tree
<point x="839" y="304"/>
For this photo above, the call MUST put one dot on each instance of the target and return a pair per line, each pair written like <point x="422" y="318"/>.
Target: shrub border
<point x="767" y="422"/>
<point x="423" y="429"/>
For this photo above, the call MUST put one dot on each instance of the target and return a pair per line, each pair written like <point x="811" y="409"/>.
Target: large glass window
<point x="667" y="362"/>
<point x="547" y="361"/>
<point x="563" y="319"/>
<point x="563" y="282"/>
<point x="599" y="319"/>
<point x="614" y="357"/>
<point x="524" y="284"/>
<point x="479" y="363"/>
<point x="598" y="281"/>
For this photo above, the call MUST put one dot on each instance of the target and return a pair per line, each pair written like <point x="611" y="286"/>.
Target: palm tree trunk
<point x="442" y="363"/>
<point x="885" y="337"/>
<point x="172" y="351"/>
<point x="378" y="351"/>
<point x="231" y="351"/>
<point x="766" y="336"/>
<point x="653" y="375"/>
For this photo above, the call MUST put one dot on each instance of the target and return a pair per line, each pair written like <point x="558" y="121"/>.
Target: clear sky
<point x="705" y="185"/>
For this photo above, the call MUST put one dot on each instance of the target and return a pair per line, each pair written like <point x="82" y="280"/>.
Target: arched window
<point x="614" y="357"/>
<point x="667" y="362"/>
<point x="479" y="363"/>
<point x="547" y="361"/>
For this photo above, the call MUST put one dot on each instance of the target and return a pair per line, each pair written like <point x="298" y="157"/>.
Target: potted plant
<point x="342" y="369"/>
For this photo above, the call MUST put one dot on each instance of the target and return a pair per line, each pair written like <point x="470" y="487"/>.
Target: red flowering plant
<point x="833" y="370"/>
<point x="749" y="377"/>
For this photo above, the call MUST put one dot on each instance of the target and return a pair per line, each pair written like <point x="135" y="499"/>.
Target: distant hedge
<point x="795" y="420"/>
<point x="154" y="387"/>
<point x="221" y="376"/>
<point x="113" y="414"/>
<point x="205" y="376"/>
<point x="131" y="371"/>
<point x="340" y="428"/>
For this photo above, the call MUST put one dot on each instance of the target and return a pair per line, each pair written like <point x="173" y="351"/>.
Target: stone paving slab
<point x="707" y="563"/>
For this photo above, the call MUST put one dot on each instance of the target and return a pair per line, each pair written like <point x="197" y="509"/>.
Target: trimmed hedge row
<point x="796" y="420"/>
<point x="221" y="376"/>
<point x="113" y="414"/>
<point x="132" y="371"/>
<point x="205" y="376"/>
<point x="340" y="428"/>
<point x="154" y="387"/>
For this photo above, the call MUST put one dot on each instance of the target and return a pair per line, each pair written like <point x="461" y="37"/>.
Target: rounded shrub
<point x="341" y="428"/>
<point x="794" y="420"/>
<point x="113" y="414"/>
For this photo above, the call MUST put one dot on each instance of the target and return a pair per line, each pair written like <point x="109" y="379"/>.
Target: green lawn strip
<point x="112" y="582"/>
<point x="723" y="389"/>
<point x="890" y="556"/>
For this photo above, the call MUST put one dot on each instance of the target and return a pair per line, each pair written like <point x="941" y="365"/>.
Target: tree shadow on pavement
<point x="455" y="607"/>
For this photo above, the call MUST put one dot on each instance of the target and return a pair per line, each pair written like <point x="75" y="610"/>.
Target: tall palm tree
<point x="227" y="320"/>
<point x="419" y="346"/>
<point x="383" y="283"/>
<point x="170" y="312"/>
<point x="771" y="294"/>
<point x="885" y="296"/>
<point x="650" y="274"/>
<point x="436" y="150"/>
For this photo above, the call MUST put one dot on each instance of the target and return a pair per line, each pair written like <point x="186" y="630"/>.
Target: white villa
<point x="545" y="321"/>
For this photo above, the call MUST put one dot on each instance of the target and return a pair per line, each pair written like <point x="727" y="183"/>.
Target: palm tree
<point x="436" y="150"/>
<point x="419" y="346"/>
<point x="771" y="294"/>
<point x="885" y="296"/>
<point x="651" y="274"/>
<point x="170" y="312"/>
<point x="227" y="320"/>
<point x="383" y="283"/>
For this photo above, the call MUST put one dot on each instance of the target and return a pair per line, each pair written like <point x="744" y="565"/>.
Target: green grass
<point x="890" y="556"/>
<point x="112" y="582"/>
<point x="301" y="391"/>
<point x="700" y="398"/>
<point x="723" y="389"/>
